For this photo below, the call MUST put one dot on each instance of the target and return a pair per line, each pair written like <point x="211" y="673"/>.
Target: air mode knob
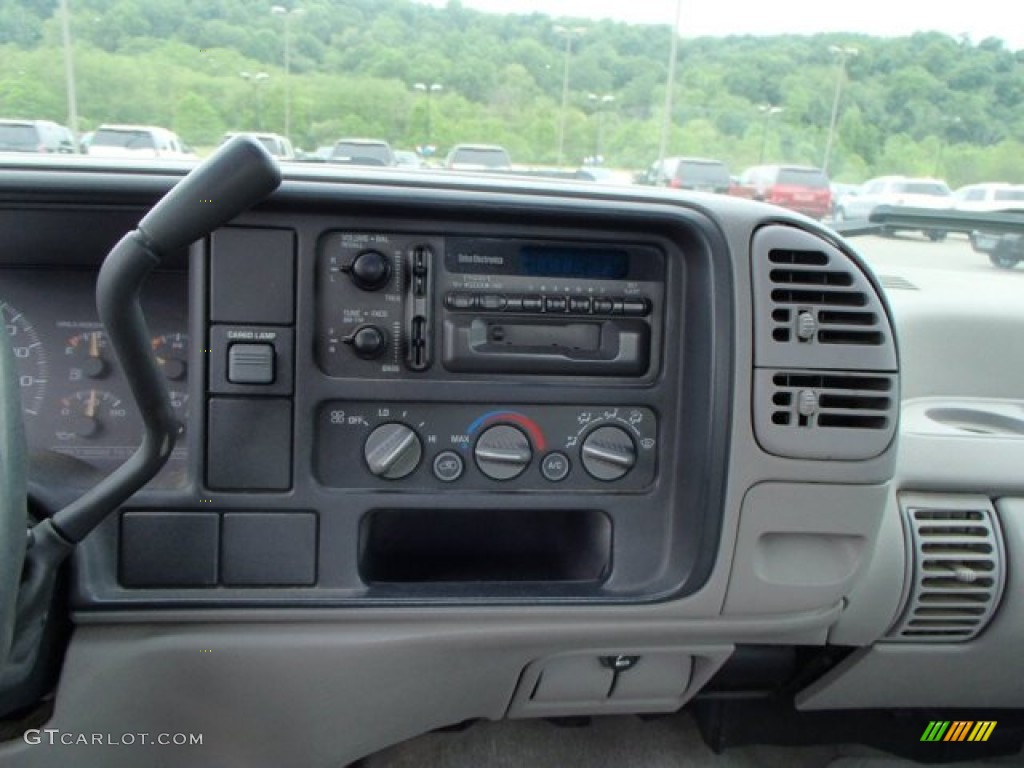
<point x="608" y="453"/>
<point x="392" y="451"/>
<point x="370" y="270"/>
<point x="503" y="452"/>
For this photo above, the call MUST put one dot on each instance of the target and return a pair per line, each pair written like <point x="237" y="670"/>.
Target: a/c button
<point x="555" y="466"/>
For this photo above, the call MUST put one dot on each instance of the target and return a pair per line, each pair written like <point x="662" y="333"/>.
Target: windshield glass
<point x="729" y="97"/>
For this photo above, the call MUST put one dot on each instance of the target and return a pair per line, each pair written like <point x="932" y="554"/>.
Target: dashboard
<point x="450" y="444"/>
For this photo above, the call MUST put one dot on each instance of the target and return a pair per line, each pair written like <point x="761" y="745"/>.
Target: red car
<point x="800" y="188"/>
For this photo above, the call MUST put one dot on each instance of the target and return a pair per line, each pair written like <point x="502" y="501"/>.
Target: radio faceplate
<point x="428" y="306"/>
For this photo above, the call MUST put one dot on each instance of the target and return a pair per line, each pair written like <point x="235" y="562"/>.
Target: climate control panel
<point x="515" y="448"/>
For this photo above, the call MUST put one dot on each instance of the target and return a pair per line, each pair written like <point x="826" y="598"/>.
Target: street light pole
<point x="279" y="10"/>
<point x="256" y="79"/>
<point x="69" y="69"/>
<point x="767" y="110"/>
<point x="569" y="33"/>
<point x="666" y="118"/>
<point x="426" y="90"/>
<point x="843" y="52"/>
<point x="600" y="103"/>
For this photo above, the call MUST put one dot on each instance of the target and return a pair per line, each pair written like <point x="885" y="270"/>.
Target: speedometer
<point x="30" y="357"/>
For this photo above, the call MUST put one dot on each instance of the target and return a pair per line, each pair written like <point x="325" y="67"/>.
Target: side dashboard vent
<point x="814" y="305"/>
<point x="825" y="414"/>
<point x="957" y="574"/>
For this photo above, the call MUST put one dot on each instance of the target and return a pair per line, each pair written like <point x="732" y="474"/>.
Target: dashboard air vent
<point x="815" y="306"/>
<point x="958" y="572"/>
<point x="825" y="414"/>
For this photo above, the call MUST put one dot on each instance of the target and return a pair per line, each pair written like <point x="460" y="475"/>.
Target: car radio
<point x="430" y="306"/>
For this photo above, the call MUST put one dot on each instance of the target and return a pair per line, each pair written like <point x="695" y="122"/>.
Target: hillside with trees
<point x="926" y="104"/>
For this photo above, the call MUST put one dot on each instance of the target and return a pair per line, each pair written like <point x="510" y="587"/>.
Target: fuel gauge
<point x="89" y="356"/>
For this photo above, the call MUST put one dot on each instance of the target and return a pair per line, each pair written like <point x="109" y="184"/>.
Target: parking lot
<point x="912" y="250"/>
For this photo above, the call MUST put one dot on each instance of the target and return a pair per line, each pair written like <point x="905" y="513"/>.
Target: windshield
<point x="660" y="93"/>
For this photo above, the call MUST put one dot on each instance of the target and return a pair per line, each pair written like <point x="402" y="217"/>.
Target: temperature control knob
<point x="370" y="270"/>
<point x="392" y="451"/>
<point x="608" y="453"/>
<point x="368" y="342"/>
<point x="503" y="452"/>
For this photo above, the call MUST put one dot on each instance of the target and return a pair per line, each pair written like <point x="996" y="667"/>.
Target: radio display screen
<point x="562" y="261"/>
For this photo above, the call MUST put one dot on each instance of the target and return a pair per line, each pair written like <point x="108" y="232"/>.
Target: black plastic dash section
<point x="472" y="546"/>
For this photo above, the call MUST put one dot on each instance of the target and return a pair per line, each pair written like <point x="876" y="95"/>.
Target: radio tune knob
<point x="502" y="452"/>
<point x="608" y="453"/>
<point x="392" y="451"/>
<point x="370" y="270"/>
<point x="368" y="342"/>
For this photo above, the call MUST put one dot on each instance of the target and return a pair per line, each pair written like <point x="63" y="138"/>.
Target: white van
<point x="145" y="141"/>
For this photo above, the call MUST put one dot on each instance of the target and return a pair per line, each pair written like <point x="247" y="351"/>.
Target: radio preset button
<point x="603" y="306"/>
<point x="492" y="301"/>
<point x="635" y="307"/>
<point x="555" y="304"/>
<point x="514" y="304"/>
<point x="532" y="303"/>
<point x="460" y="301"/>
<point x="503" y="452"/>
<point x="579" y="305"/>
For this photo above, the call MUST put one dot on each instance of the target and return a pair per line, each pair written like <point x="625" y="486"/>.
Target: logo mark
<point x="959" y="730"/>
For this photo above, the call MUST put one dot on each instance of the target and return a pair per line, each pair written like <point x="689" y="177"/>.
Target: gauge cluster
<point x="77" y="404"/>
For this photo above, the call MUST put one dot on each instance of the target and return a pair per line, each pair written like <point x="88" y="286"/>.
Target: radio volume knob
<point x="608" y="453"/>
<point x="503" y="452"/>
<point x="393" y="451"/>
<point x="370" y="270"/>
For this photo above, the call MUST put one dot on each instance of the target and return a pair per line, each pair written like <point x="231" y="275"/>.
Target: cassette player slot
<point x="613" y="347"/>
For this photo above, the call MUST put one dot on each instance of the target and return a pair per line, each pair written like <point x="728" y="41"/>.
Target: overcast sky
<point x="976" y="18"/>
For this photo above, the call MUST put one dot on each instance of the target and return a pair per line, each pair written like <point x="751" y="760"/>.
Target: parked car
<point x="362" y="152"/>
<point x="478" y="157"/>
<point x="139" y="141"/>
<point x="1005" y="251"/>
<point x="406" y="158"/>
<point x="797" y="187"/>
<point x="697" y="173"/>
<point x="277" y="145"/>
<point x="35" y="136"/>
<point x="995" y="196"/>
<point x="896" y="191"/>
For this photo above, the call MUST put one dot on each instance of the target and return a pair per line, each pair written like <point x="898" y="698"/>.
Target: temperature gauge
<point x="171" y="352"/>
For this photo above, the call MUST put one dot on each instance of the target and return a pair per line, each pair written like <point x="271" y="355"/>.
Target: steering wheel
<point x="13" y="510"/>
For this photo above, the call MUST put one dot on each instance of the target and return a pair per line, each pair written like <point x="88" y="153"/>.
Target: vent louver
<point x="815" y="307"/>
<point x="825" y="414"/>
<point x="826" y="382"/>
<point x="957" y="572"/>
